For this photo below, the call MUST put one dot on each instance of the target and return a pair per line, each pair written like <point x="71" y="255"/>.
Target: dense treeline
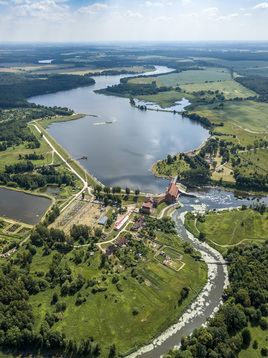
<point x="199" y="169"/>
<point x="132" y="89"/>
<point x="256" y="181"/>
<point x="31" y="85"/>
<point x="45" y="175"/>
<point x="246" y="303"/>
<point x="13" y="126"/>
<point x="205" y="121"/>
<point x="257" y="84"/>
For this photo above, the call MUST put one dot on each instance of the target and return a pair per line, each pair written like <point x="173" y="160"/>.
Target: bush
<point x="263" y="323"/>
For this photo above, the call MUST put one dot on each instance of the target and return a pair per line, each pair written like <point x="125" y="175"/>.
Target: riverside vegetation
<point x="48" y="285"/>
<point x="239" y="328"/>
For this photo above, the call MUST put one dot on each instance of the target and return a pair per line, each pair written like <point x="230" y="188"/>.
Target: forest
<point x="33" y="85"/>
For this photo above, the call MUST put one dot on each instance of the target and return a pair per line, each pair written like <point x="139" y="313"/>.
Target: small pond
<point x="23" y="207"/>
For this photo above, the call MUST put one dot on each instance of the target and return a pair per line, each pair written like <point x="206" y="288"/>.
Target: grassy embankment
<point x="75" y="165"/>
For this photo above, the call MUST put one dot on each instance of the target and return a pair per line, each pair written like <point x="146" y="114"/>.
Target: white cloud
<point x="188" y="18"/>
<point x="3" y="3"/>
<point x="228" y="17"/>
<point x="261" y="6"/>
<point x="186" y="1"/>
<point x="92" y="9"/>
<point x="132" y="14"/>
<point x="156" y="4"/>
<point x="211" y="11"/>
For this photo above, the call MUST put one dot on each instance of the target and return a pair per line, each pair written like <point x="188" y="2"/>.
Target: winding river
<point x="122" y="143"/>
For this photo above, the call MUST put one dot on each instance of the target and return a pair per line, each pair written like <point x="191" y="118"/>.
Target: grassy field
<point x="108" y="316"/>
<point x="232" y="227"/>
<point x="247" y="114"/>
<point x="164" y="99"/>
<point x="261" y="336"/>
<point x="145" y="80"/>
<point x="245" y="68"/>
<point x="11" y="233"/>
<point x="230" y="89"/>
<point x="195" y="76"/>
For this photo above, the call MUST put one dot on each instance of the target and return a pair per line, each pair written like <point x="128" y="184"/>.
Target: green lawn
<point x="231" y="227"/>
<point x="261" y="336"/>
<point x="195" y="76"/>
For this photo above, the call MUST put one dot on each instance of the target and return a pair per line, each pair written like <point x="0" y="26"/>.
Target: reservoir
<point x="121" y="142"/>
<point x="23" y="207"/>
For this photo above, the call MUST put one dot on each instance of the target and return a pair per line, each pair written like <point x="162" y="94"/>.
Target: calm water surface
<point x="26" y="208"/>
<point x="121" y="153"/>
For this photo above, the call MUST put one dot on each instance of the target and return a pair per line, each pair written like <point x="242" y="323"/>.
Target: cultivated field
<point x="195" y="76"/>
<point x="249" y="115"/>
<point x="230" y="89"/>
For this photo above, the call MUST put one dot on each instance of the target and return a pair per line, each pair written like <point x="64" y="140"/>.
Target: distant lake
<point x="123" y="142"/>
<point x="23" y="207"/>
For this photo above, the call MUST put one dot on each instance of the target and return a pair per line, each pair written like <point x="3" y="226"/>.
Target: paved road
<point x="85" y="185"/>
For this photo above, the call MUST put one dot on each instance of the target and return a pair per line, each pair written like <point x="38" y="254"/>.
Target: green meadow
<point x="230" y="89"/>
<point x="232" y="227"/>
<point x="250" y="115"/>
<point x="128" y="315"/>
<point x="195" y="76"/>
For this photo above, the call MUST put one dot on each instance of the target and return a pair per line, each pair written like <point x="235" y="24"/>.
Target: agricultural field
<point x="230" y="89"/>
<point x="244" y="68"/>
<point x="12" y="233"/>
<point x="249" y="115"/>
<point x="195" y="76"/>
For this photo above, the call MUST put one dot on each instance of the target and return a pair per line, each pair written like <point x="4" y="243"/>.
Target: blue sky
<point x="131" y="20"/>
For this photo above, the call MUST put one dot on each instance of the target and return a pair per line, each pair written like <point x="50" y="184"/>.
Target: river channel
<point x="121" y="142"/>
<point x="208" y="301"/>
<point x="121" y="153"/>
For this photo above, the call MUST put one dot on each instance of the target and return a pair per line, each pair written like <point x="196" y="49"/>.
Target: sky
<point x="133" y="20"/>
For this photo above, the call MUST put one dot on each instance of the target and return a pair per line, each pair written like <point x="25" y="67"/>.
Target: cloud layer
<point x="126" y="20"/>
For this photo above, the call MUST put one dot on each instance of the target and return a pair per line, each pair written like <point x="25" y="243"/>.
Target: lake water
<point x="23" y="207"/>
<point x="121" y="153"/>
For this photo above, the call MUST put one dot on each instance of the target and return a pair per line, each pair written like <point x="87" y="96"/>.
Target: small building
<point x="172" y="193"/>
<point x="103" y="220"/>
<point x="110" y="249"/>
<point x="121" y="223"/>
<point x="121" y="241"/>
<point x="92" y="253"/>
<point x="148" y="205"/>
